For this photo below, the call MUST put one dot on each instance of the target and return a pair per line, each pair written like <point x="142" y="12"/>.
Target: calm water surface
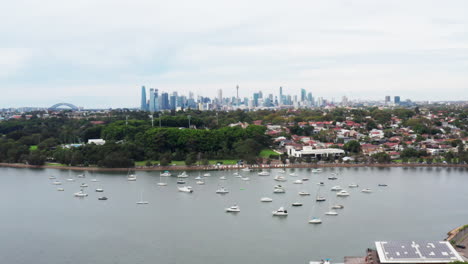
<point x="42" y="225"/>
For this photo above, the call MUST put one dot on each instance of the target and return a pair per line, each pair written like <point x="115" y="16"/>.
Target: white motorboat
<point x="84" y="185"/>
<point x="94" y="180"/>
<point x="315" y="171"/>
<point x="222" y="178"/>
<point x="60" y="189"/>
<point x="186" y="189"/>
<point x="331" y="213"/>
<point x="81" y="193"/>
<point x="338" y="206"/>
<point x="279" y="189"/>
<point x="233" y="209"/>
<point x="263" y="173"/>
<point x="51" y="177"/>
<point x="238" y="176"/>
<point x="245" y="178"/>
<point x="366" y="190"/>
<point x="200" y="182"/>
<point x="99" y="190"/>
<point x="281" y="171"/>
<point x="353" y="185"/>
<point x="70" y="179"/>
<point x="342" y="193"/>
<point x="81" y="176"/>
<point x="336" y="188"/>
<point x="320" y="199"/>
<point x="280" y="212"/>
<point x="304" y="193"/>
<point x="131" y="177"/>
<point x="166" y="174"/>
<point x="198" y="178"/>
<point x="280" y="178"/>
<point x="315" y="220"/>
<point x="235" y="174"/>
<point x="182" y="175"/>
<point x="57" y="183"/>
<point x="297" y="204"/>
<point x="292" y="174"/>
<point x="298" y="182"/>
<point x="206" y="175"/>
<point x="246" y="169"/>
<point x="180" y="181"/>
<point x="320" y="183"/>
<point x="266" y="199"/>
<point x="222" y="190"/>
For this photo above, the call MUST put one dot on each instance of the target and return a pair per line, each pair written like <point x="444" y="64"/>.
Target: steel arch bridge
<point x="56" y="106"/>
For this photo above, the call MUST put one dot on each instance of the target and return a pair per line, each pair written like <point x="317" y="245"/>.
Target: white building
<point x="314" y="153"/>
<point x="97" y="141"/>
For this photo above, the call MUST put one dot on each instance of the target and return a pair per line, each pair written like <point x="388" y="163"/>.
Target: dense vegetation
<point x="131" y="135"/>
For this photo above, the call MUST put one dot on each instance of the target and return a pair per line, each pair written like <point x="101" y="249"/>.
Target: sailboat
<point x="313" y="219"/>
<point x="319" y="198"/>
<point x="141" y="199"/>
<point x="331" y="212"/>
<point x="131" y="177"/>
<point x="161" y="183"/>
<point x="94" y="179"/>
<point x="70" y="179"/>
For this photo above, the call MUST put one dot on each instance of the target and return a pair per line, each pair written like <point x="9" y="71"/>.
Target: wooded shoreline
<point x="234" y="167"/>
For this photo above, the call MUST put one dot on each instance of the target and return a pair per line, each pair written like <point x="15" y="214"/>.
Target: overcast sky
<point x="98" y="53"/>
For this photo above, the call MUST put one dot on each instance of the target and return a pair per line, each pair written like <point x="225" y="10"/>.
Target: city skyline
<point x="88" y="54"/>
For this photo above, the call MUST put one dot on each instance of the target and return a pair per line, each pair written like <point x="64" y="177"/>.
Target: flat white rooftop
<point x="416" y="252"/>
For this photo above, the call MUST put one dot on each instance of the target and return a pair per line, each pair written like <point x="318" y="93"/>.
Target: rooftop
<point x="416" y="252"/>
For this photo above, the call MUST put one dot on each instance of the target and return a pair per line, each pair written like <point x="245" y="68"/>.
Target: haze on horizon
<point x="99" y="53"/>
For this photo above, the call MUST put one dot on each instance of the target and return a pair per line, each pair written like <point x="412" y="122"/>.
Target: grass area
<point x="55" y="164"/>
<point x="267" y="152"/>
<point x="181" y="162"/>
<point x="33" y="147"/>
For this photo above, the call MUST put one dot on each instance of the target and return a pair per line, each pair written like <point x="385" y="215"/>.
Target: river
<point x="42" y="225"/>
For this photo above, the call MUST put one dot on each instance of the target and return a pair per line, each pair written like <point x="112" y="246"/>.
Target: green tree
<point x="352" y="146"/>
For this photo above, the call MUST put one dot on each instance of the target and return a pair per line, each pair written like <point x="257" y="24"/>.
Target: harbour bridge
<point x="56" y="106"/>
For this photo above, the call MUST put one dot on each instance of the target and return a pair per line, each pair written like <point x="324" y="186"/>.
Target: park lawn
<point x="55" y="164"/>
<point x="33" y="147"/>
<point x="267" y="152"/>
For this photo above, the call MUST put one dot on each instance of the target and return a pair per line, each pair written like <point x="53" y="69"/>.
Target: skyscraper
<point x="281" y="95"/>
<point x="220" y="96"/>
<point x="387" y="99"/>
<point x="397" y="99"/>
<point x="164" y="101"/>
<point x="143" y="106"/>
<point x="152" y="100"/>
<point x="303" y="95"/>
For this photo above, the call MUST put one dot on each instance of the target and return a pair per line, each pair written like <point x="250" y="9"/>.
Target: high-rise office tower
<point x="260" y="95"/>
<point x="310" y="99"/>
<point x="152" y="100"/>
<point x="397" y="99"/>
<point x="143" y="106"/>
<point x="164" y="101"/>
<point x="237" y="95"/>
<point x="387" y="99"/>
<point x="303" y="95"/>
<point x="281" y="95"/>
<point x="173" y="101"/>
<point x="220" y="96"/>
